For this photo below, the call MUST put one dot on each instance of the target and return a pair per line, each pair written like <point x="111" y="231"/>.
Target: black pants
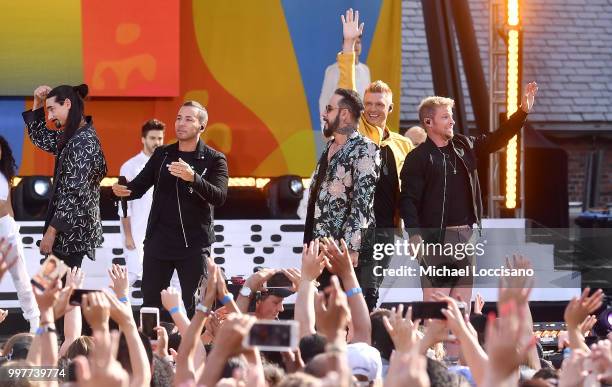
<point x="71" y="259"/>
<point x="157" y="273"/>
<point x="368" y="281"/>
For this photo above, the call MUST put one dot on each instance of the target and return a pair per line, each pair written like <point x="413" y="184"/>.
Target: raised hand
<point x="478" y="304"/>
<point x="75" y="277"/>
<point x="161" y="348"/>
<point x="340" y="262"/>
<point x="170" y="298"/>
<point x="257" y="280"/>
<point x="120" y="312"/>
<point x="601" y="354"/>
<point x="588" y="324"/>
<point x="407" y="369"/>
<point x="232" y="332"/>
<point x="313" y="261"/>
<point x="529" y="97"/>
<point x="506" y="344"/>
<point x="40" y="95"/>
<point x="455" y="321"/>
<point x="579" y="308"/>
<point x="294" y="276"/>
<point x="96" y="310"/>
<point x="332" y="316"/>
<point x="102" y="369"/>
<point x="351" y="29"/>
<point x="403" y="330"/>
<point x="208" y="290"/>
<point x="119" y="276"/>
<point x="572" y="371"/>
<point x="516" y="288"/>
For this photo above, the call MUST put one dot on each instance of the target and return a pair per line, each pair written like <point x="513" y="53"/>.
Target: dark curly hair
<point x="8" y="167"/>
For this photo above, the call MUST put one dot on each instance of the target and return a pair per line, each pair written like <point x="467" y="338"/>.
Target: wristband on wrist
<point x="44" y="329"/>
<point x="174" y="310"/>
<point x="353" y="291"/>
<point x="123" y="299"/>
<point x="227" y="298"/>
<point x="204" y="309"/>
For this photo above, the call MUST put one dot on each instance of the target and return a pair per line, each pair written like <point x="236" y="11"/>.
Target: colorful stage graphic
<point x="257" y="66"/>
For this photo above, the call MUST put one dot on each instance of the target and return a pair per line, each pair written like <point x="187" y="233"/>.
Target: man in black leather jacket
<point x="440" y="198"/>
<point x="189" y="179"/>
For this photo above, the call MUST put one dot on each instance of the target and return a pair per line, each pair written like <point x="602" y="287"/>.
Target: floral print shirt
<point x="343" y="206"/>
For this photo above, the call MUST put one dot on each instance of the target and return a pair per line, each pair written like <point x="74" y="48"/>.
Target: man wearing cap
<point x="264" y="287"/>
<point x="365" y="362"/>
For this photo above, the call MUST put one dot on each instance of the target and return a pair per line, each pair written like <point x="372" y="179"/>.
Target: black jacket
<point x="196" y="200"/>
<point x="74" y="209"/>
<point x="424" y="196"/>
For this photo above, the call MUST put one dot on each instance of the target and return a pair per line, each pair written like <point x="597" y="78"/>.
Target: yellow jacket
<point x="400" y="145"/>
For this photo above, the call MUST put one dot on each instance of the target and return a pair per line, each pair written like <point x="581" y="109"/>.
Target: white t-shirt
<point x="138" y="209"/>
<point x="330" y="84"/>
<point x="4" y="187"/>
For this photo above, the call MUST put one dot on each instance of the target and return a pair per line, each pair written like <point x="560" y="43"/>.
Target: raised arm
<point x="341" y="265"/>
<point x="498" y="139"/>
<point x="351" y="31"/>
<point x="312" y="267"/>
<point x="41" y="136"/>
<point x="73" y="323"/>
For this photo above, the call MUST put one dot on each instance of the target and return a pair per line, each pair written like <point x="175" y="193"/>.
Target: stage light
<point x="283" y="195"/>
<point x="604" y="322"/>
<point x="31" y="197"/>
<point x="41" y="187"/>
<point x="512" y="98"/>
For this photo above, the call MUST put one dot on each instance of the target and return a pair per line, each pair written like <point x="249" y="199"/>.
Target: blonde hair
<point x="428" y="106"/>
<point x="379" y="87"/>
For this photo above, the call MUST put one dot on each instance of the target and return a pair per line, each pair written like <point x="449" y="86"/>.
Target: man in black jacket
<point x="73" y="227"/>
<point x="189" y="179"/>
<point x="440" y="198"/>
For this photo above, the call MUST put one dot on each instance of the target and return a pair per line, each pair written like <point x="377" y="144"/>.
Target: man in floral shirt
<point x="340" y="205"/>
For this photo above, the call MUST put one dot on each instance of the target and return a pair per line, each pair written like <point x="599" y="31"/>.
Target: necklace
<point x="448" y="157"/>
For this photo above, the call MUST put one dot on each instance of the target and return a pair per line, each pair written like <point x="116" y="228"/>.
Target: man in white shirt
<point x="134" y="223"/>
<point x="332" y="76"/>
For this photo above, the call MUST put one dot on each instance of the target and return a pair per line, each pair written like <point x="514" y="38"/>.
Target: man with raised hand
<point x="378" y="102"/>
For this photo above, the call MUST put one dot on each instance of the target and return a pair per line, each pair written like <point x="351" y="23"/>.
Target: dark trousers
<point x="157" y="273"/>
<point x="71" y="259"/>
<point x="364" y="271"/>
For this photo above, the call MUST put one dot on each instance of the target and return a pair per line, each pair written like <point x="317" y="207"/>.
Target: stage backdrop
<point x="257" y="66"/>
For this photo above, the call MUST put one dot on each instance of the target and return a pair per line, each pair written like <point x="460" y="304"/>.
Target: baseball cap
<point x="364" y="360"/>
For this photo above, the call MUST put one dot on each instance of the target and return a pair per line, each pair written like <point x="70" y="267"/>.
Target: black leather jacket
<point x="424" y="196"/>
<point x="195" y="200"/>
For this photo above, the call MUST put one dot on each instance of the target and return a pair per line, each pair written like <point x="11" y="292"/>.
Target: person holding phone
<point x="73" y="227"/>
<point x="440" y="199"/>
<point x="189" y="179"/>
<point x="134" y="221"/>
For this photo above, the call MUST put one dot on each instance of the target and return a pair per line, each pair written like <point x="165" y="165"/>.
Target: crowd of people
<point x="340" y="342"/>
<point x="369" y="183"/>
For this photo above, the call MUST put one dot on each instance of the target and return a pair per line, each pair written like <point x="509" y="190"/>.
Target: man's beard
<point x="331" y="127"/>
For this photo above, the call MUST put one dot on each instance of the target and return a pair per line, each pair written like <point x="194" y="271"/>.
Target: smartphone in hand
<point x="273" y="335"/>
